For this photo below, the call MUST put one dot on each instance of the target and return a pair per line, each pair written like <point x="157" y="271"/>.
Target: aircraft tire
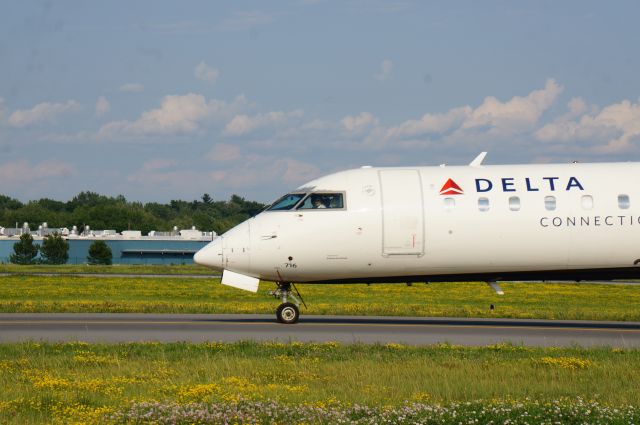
<point x="287" y="313"/>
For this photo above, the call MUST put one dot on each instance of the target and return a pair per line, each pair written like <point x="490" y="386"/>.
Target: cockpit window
<point x="323" y="200"/>
<point x="286" y="202"/>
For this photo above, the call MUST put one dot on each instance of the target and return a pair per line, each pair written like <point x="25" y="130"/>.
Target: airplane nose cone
<point x="210" y="255"/>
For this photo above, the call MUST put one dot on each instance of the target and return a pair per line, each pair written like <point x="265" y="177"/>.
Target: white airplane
<point x="447" y="223"/>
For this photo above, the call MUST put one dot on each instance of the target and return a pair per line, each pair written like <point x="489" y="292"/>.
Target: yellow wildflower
<point x="44" y="381"/>
<point x="198" y="392"/>
<point x="422" y="397"/>
<point x="566" y="362"/>
<point x="79" y="414"/>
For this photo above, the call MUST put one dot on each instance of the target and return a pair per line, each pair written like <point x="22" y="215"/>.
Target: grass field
<point x="25" y="293"/>
<point x="113" y="269"/>
<point x="77" y="382"/>
<point x="315" y="383"/>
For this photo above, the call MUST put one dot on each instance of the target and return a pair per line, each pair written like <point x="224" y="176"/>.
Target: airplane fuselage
<point x="410" y="224"/>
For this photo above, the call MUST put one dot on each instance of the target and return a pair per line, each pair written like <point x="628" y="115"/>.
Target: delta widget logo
<point x="512" y="184"/>
<point x="451" y="188"/>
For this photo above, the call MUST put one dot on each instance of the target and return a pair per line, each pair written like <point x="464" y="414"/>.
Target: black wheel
<point x="287" y="313"/>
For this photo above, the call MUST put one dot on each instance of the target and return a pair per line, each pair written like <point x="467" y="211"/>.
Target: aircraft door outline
<point x="402" y="210"/>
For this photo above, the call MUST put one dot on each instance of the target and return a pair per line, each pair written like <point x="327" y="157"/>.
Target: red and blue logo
<point x="511" y="184"/>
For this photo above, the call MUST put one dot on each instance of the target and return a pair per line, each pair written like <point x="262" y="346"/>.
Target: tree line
<point x="55" y="250"/>
<point x="105" y="212"/>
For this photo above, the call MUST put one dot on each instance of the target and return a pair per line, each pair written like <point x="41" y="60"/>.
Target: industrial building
<point x="127" y="247"/>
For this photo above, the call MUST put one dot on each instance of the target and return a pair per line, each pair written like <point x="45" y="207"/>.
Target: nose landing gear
<point x="287" y="312"/>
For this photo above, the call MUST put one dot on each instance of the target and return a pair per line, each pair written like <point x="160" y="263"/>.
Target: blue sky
<point x="164" y="100"/>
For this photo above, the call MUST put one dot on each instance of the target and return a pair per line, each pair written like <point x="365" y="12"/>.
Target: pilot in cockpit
<point x="317" y="202"/>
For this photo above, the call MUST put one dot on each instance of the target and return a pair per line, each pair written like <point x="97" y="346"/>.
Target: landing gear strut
<point x="287" y="312"/>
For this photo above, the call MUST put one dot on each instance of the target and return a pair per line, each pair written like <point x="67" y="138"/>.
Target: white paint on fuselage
<point x="327" y="244"/>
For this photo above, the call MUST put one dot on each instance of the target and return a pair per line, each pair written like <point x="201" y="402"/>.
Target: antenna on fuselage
<point x="477" y="162"/>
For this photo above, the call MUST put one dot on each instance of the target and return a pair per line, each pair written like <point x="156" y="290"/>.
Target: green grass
<point x="113" y="269"/>
<point x="27" y="293"/>
<point x="79" y="382"/>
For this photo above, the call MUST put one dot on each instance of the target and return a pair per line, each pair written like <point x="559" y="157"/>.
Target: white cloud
<point x="492" y="121"/>
<point x="244" y="124"/>
<point x="45" y="111"/>
<point x="176" y="114"/>
<point x="102" y="106"/>
<point x="359" y="123"/>
<point x="517" y="115"/>
<point x="615" y="129"/>
<point x="206" y="73"/>
<point x="22" y="171"/>
<point x="131" y="88"/>
<point x="432" y="123"/>
<point x="271" y="148"/>
<point x="577" y="106"/>
<point x="223" y="152"/>
<point x="386" y="67"/>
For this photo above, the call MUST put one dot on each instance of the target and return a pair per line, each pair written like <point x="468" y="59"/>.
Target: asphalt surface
<point x="346" y="329"/>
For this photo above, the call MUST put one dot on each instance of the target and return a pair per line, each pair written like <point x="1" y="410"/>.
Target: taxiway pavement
<point x="346" y="329"/>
